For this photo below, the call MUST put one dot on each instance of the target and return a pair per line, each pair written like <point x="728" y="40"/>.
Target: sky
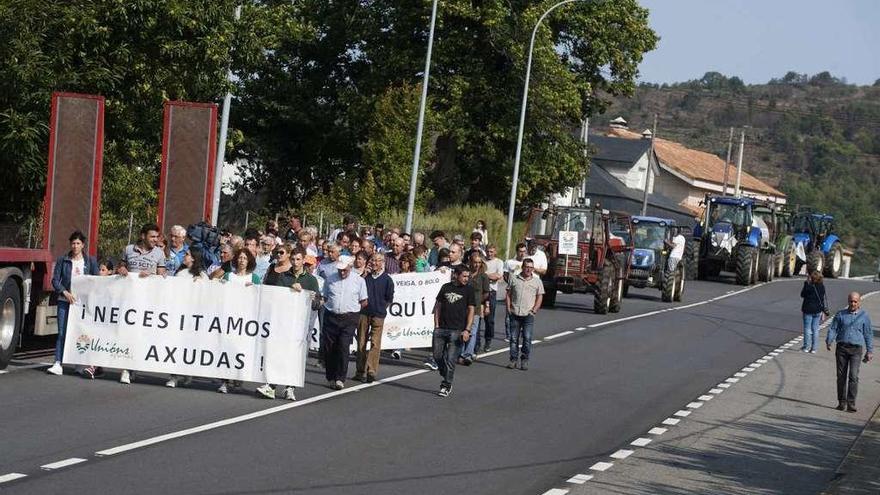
<point x="761" y="39"/>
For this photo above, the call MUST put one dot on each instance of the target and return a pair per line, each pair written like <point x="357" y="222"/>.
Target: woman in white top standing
<point x="243" y="264"/>
<point x="481" y="228"/>
<point x="193" y="265"/>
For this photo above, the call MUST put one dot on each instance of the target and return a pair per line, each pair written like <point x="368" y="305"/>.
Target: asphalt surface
<point x="501" y="431"/>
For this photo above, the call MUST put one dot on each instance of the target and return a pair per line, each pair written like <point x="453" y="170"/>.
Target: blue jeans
<point x="63" y="310"/>
<point x="446" y="349"/>
<point x="489" y="324"/>
<point x="521" y="326"/>
<point x="470" y="347"/>
<point x="811" y="331"/>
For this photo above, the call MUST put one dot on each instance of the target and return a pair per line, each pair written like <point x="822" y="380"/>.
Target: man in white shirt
<point x="512" y="268"/>
<point x="539" y="258"/>
<point x="345" y="295"/>
<point x="678" y="244"/>
<point x="495" y="272"/>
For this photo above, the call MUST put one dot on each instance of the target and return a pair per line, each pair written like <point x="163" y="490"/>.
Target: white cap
<point x="344" y="262"/>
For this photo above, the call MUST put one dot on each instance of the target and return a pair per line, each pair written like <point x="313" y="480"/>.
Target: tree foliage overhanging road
<point x="326" y="92"/>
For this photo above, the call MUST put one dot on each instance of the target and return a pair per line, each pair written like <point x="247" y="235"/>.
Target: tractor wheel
<point x="10" y="318"/>
<point x="798" y="266"/>
<point x="616" y="296"/>
<point x="778" y="261"/>
<point x="714" y="269"/>
<point x="758" y="257"/>
<point x="789" y="261"/>
<point x="679" y="290"/>
<point x="602" y="299"/>
<point x="668" y="289"/>
<point x="625" y="289"/>
<point x="745" y="265"/>
<point x="549" y="299"/>
<point x="765" y="267"/>
<point x="834" y="261"/>
<point x="691" y="259"/>
<point x="815" y="262"/>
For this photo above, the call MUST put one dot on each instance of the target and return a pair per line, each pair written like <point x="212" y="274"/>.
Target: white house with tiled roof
<point x="687" y="174"/>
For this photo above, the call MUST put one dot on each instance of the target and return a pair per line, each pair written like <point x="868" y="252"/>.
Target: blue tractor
<point x="816" y="244"/>
<point x="731" y="238"/>
<point x="653" y="240"/>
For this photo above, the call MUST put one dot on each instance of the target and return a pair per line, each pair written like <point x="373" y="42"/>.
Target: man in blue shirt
<point x="851" y="329"/>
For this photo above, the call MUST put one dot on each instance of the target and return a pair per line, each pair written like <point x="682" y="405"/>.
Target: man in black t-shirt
<point x="453" y="316"/>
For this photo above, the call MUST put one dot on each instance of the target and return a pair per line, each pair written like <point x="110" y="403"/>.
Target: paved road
<point x="502" y="431"/>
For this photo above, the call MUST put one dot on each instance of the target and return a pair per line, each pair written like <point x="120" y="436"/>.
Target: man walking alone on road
<point x="453" y="317"/>
<point x="851" y="329"/>
<point x="523" y="299"/>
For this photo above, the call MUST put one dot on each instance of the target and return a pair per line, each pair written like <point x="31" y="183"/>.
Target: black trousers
<point x="336" y="336"/>
<point x="848" y="358"/>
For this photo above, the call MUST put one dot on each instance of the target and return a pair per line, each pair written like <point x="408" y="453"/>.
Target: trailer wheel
<point x="10" y="319"/>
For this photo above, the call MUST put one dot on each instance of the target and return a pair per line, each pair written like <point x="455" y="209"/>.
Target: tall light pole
<point x="522" y="121"/>
<point x="221" y="146"/>
<point x="414" y="175"/>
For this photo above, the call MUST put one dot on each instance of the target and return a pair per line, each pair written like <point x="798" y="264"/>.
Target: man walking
<point x="380" y="295"/>
<point x="524" y="295"/>
<point x="494" y="270"/>
<point x="345" y="295"/>
<point x="851" y="329"/>
<point x="453" y="317"/>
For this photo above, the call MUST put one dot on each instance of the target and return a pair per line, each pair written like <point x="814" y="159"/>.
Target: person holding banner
<point x="453" y="318"/>
<point x="243" y="269"/>
<point x="380" y="295"/>
<point x="73" y="264"/>
<point x="345" y="295"/>
<point x="193" y="265"/>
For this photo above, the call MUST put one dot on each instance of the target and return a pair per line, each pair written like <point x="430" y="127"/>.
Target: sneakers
<point x="90" y="372"/>
<point x="55" y="369"/>
<point x="395" y="354"/>
<point x="512" y="364"/>
<point x="431" y="365"/>
<point x="524" y="364"/>
<point x="812" y="351"/>
<point x="444" y="391"/>
<point x="371" y="378"/>
<point x="360" y="377"/>
<point x="851" y="407"/>
<point x="467" y="360"/>
<point x="125" y="377"/>
<point x="172" y="382"/>
<point x="224" y="388"/>
<point x="267" y="391"/>
<point x="288" y="393"/>
<point x="487" y="348"/>
<point x="841" y="405"/>
<point x="804" y="349"/>
<point x="338" y="385"/>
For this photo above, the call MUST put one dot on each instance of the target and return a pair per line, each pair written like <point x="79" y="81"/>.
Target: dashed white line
<point x="716" y="391"/>
<point x="557" y="335"/>
<point x="657" y="431"/>
<point x="641" y="442"/>
<point x="580" y="479"/>
<point x="682" y="413"/>
<point x="748" y="369"/>
<point x="705" y="397"/>
<point x="732" y="380"/>
<point x="724" y="385"/>
<point x="580" y="329"/>
<point x="671" y="421"/>
<point x="11" y="477"/>
<point x="62" y="464"/>
<point x="740" y="374"/>
<point x="622" y="454"/>
<point x="601" y="466"/>
<point x="555" y="491"/>
<point x="694" y="405"/>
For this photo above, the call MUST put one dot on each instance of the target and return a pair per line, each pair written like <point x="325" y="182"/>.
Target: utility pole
<point x="221" y="146"/>
<point x="727" y="161"/>
<point x="650" y="170"/>
<point x="739" y="162"/>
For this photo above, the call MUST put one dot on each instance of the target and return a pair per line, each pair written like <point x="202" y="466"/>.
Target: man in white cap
<point x="344" y="297"/>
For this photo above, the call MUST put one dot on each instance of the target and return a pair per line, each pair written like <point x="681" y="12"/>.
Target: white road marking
<point x="555" y="491"/>
<point x="580" y="329"/>
<point x="534" y="341"/>
<point x="724" y="385"/>
<point x="641" y="442"/>
<point x="756" y="365"/>
<point x="601" y="466"/>
<point x="657" y="431"/>
<point x="671" y="421"/>
<point x="622" y="454"/>
<point x="11" y="477"/>
<point x="762" y="360"/>
<point x="682" y="413"/>
<point x="716" y="391"/>
<point x="694" y="405"/>
<point x="774" y="353"/>
<point x="62" y="464"/>
<point x="740" y="374"/>
<point x="705" y="397"/>
<point x="732" y="380"/>
<point x="748" y="369"/>
<point x="557" y="335"/>
<point x="3" y="372"/>
<point x="580" y="479"/>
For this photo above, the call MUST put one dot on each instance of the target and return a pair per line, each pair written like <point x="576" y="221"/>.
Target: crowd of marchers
<point x="349" y="274"/>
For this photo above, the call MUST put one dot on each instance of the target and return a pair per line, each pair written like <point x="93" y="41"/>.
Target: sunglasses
<point x="280" y="253"/>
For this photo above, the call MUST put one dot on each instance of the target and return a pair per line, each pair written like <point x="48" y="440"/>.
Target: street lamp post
<point x="522" y="120"/>
<point x="414" y="176"/>
<point x="221" y="146"/>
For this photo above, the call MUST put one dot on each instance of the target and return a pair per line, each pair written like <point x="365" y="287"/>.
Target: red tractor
<point x="588" y="251"/>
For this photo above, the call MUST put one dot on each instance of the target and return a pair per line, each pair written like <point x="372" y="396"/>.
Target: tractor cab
<point x="652" y="242"/>
<point x="816" y="243"/>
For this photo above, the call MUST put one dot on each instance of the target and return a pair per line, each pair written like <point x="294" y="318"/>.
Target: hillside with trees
<point x="816" y="138"/>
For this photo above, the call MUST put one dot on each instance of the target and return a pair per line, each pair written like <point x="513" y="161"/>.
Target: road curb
<point x="859" y="472"/>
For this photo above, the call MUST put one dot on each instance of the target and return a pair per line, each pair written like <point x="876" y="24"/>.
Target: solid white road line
<point x="62" y="464"/>
<point x="601" y="466"/>
<point x="557" y="335"/>
<point x="641" y="442"/>
<point x="657" y="431"/>
<point x="11" y="477"/>
<point x="622" y="454"/>
<point x="580" y="329"/>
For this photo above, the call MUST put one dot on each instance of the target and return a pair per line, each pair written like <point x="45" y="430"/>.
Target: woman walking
<point x="75" y="263"/>
<point x="814" y="308"/>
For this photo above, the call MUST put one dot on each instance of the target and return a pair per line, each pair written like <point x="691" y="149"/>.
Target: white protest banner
<point x="410" y="320"/>
<point x="568" y="242"/>
<point x="182" y="326"/>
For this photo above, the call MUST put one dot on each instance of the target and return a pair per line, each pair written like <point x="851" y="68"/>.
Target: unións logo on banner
<point x="84" y="344"/>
